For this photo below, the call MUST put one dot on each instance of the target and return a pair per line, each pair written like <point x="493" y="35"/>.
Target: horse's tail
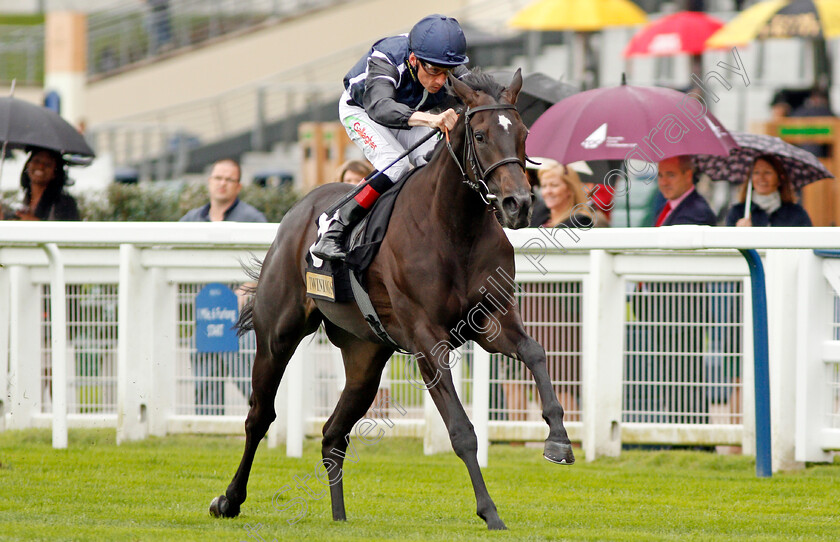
<point x="252" y="268"/>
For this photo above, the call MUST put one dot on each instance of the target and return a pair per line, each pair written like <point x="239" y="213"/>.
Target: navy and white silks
<point x="381" y="93"/>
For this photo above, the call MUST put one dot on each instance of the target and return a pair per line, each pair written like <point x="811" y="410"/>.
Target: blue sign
<point x="216" y="312"/>
<point x="53" y="101"/>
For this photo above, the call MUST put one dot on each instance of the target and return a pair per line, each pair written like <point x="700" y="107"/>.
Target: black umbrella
<point x="25" y="125"/>
<point x="539" y="92"/>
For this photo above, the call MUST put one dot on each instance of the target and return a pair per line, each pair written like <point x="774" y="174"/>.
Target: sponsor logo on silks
<point x="360" y="130"/>
<point x="596" y="138"/>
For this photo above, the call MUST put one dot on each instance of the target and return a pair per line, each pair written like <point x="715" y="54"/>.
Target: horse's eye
<point x="479" y="136"/>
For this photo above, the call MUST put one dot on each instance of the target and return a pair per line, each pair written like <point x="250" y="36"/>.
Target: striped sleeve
<point x="381" y="84"/>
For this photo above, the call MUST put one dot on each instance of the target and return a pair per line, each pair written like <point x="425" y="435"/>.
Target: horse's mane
<point x="478" y="80"/>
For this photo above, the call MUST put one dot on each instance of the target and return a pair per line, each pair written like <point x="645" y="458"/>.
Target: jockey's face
<point x="433" y="81"/>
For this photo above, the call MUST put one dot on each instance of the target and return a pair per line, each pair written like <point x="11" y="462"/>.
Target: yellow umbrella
<point x="780" y="19"/>
<point x="578" y="15"/>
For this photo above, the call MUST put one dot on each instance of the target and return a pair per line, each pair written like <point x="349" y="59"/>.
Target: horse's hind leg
<point x="269" y="365"/>
<point x="363" y="364"/>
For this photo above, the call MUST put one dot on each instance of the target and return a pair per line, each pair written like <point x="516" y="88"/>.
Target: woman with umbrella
<point x="773" y="201"/>
<point x="771" y="170"/>
<point x="48" y="137"/>
<point x="43" y="180"/>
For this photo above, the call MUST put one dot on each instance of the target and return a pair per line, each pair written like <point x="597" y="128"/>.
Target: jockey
<point x="386" y="108"/>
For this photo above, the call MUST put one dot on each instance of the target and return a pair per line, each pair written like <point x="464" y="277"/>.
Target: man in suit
<point x="684" y="204"/>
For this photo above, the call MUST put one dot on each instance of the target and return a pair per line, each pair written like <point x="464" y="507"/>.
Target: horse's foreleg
<point x="438" y="380"/>
<point x="265" y="380"/>
<point x="558" y="447"/>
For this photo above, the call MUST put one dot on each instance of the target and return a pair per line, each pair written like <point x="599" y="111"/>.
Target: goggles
<point x="433" y="70"/>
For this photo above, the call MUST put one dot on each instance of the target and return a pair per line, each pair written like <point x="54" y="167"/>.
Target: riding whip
<point x="352" y="194"/>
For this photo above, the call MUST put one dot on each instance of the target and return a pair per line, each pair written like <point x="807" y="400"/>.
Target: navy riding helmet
<point x="439" y="40"/>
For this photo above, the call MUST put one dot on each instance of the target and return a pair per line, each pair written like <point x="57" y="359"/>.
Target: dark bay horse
<point x="430" y="284"/>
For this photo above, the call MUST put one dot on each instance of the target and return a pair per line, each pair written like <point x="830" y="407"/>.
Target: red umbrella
<point x="684" y="32"/>
<point x="627" y="122"/>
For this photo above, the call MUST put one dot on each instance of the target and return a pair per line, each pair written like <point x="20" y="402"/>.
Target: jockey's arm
<point x="380" y="95"/>
<point x="382" y="106"/>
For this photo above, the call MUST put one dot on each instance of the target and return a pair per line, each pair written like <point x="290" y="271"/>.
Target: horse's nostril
<point x="510" y="204"/>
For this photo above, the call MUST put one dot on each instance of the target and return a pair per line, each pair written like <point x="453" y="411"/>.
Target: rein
<point x="470" y="156"/>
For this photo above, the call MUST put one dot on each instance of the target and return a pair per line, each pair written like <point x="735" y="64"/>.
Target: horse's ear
<point x="463" y="91"/>
<point x="511" y="92"/>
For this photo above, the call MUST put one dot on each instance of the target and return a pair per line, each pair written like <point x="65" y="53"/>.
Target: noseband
<point x="470" y="156"/>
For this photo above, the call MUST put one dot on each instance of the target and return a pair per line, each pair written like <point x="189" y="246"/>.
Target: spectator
<point x="773" y="201"/>
<point x="779" y="106"/>
<point x="224" y="187"/>
<point x="815" y="105"/>
<point x="210" y="369"/>
<point x="684" y="204"/>
<point x="353" y="171"/>
<point x="564" y="198"/>
<point x="601" y="199"/>
<point x="43" y="180"/>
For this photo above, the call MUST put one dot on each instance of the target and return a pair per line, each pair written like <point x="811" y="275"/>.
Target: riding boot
<point x="330" y="246"/>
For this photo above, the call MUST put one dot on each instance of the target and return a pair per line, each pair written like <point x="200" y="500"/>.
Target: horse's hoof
<point x="496" y="525"/>
<point x="221" y="507"/>
<point x="558" y="452"/>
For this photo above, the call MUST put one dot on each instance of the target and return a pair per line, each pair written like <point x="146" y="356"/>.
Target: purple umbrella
<point x="627" y="122"/>
<point x="802" y="166"/>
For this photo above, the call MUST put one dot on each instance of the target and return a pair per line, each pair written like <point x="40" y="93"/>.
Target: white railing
<point x="648" y="334"/>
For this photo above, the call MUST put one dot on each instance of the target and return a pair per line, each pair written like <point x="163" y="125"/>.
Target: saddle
<point x="341" y="281"/>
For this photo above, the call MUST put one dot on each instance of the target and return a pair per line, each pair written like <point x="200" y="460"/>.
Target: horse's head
<point x="494" y="145"/>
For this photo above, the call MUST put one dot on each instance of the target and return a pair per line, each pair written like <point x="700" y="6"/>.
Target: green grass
<point x="159" y="489"/>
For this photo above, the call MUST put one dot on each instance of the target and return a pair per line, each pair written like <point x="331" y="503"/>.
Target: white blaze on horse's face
<point x="505" y="122"/>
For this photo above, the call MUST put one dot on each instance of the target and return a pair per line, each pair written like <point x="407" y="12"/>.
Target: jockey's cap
<point x="439" y="40"/>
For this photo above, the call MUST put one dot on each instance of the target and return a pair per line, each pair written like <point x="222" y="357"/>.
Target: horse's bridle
<point x="479" y="174"/>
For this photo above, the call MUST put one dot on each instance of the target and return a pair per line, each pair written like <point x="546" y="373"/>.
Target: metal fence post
<point x="602" y="363"/>
<point x="4" y="346"/>
<point x="763" y="451"/>
<point x="164" y="343"/>
<point x="24" y="373"/>
<point x="481" y="402"/>
<point x="258" y="133"/>
<point x="814" y="308"/>
<point x="781" y="292"/>
<point x="58" y="310"/>
<point x="133" y="359"/>
<point x="295" y="421"/>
